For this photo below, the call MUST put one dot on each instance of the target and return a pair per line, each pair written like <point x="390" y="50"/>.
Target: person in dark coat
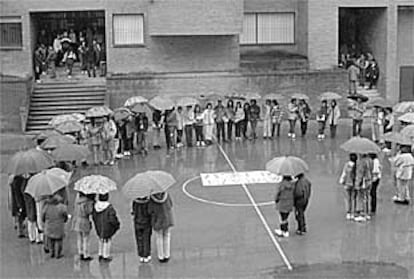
<point x="18" y="208"/>
<point x="143" y="228"/>
<point x="32" y="229"/>
<point x="160" y="208"/>
<point x="284" y="204"/>
<point x="90" y="61"/>
<point x="301" y="195"/>
<point x="141" y="124"/>
<point x="106" y="224"/>
<point x="54" y="216"/>
<point x="254" y="117"/>
<point x="246" y="120"/>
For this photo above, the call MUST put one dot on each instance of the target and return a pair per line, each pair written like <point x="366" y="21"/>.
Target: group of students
<point x="68" y="48"/>
<point x="44" y="221"/>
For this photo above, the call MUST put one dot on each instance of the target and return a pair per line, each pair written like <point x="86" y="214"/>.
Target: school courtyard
<point x="220" y="232"/>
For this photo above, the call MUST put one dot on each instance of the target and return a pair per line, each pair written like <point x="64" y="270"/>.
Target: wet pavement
<point x="217" y="234"/>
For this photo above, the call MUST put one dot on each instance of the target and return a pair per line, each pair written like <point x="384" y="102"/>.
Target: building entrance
<point x="78" y="40"/>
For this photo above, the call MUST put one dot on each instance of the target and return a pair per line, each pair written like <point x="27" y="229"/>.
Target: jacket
<point x="171" y="119"/>
<point x="353" y="73"/>
<point x="30" y="205"/>
<point x="347" y="177"/>
<point x="239" y="116"/>
<point x="208" y="117"/>
<point x="254" y="113"/>
<point x="284" y="196"/>
<point x="160" y="209"/>
<point x="302" y="192"/>
<point x="189" y="117"/>
<point x="83" y="209"/>
<point x="276" y="114"/>
<point x="334" y="113"/>
<point x="357" y="111"/>
<point x="54" y="217"/>
<point x="363" y="177"/>
<point x="105" y="220"/>
<point x="404" y="166"/>
<point x="293" y="111"/>
<point x="17" y="186"/>
<point x="142" y="218"/>
<point x="141" y="123"/>
<point x="219" y="114"/>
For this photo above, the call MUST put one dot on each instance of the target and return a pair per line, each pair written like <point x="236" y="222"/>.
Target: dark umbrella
<point x="355" y="97"/>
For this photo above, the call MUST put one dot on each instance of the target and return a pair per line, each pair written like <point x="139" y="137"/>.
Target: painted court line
<point x="259" y="212"/>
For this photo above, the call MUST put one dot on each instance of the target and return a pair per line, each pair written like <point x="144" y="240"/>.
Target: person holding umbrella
<point x="347" y="179"/>
<point x="284" y="200"/>
<point x="363" y="184"/>
<point x="18" y="208"/>
<point x="143" y="228"/>
<point x="321" y="117"/>
<point x="301" y="195"/>
<point x="358" y="109"/>
<point x="293" y="115"/>
<point x="95" y="141"/>
<point x="334" y="113"/>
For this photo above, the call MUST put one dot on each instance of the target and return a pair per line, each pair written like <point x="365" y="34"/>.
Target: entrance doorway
<point x="72" y="27"/>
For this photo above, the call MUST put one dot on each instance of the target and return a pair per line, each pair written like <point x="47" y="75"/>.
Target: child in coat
<point x="301" y="195"/>
<point x="143" y="229"/>
<point x="160" y="209"/>
<point x="284" y="204"/>
<point x="347" y="179"/>
<point x="54" y="216"/>
<point x="106" y="224"/>
<point x="82" y="224"/>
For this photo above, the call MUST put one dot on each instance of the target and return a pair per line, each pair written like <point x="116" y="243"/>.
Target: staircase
<point x="52" y="98"/>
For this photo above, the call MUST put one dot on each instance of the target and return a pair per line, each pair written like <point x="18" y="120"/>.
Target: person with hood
<point x="347" y="179"/>
<point x="82" y="224"/>
<point x="160" y="209"/>
<point x="18" y="209"/>
<point x="284" y="204"/>
<point x="106" y="224"/>
<point x="54" y="216"/>
<point x="301" y="195"/>
<point x="143" y="228"/>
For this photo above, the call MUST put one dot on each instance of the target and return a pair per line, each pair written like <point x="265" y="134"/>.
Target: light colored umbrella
<point x="404" y="160"/>
<point x="98" y="111"/>
<point x="142" y="108"/>
<point x="47" y="134"/>
<point x="252" y="96"/>
<point x="55" y="141"/>
<point x="407" y="117"/>
<point x="70" y="152"/>
<point x="69" y="127"/>
<point x="408" y="131"/>
<point x="95" y="184"/>
<point x="30" y="161"/>
<point x="62" y="118"/>
<point x="79" y="116"/>
<point x="299" y="96"/>
<point x="135" y="100"/>
<point x="287" y="166"/>
<point x="187" y="101"/>
<point x="397" y="137"/>
<point x="147" y="183"/>
<point x="162" y="103"/>
<point x="330" y="96"/>
<point x="273" y="96"/>
<point x="404" y="107"/>
<point x="360" y="145"/>
<point x="47" y="182"/>
<point x="121" y="113"/>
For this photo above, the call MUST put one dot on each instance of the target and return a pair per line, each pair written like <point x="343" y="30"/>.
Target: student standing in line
<point x="198" y="125"/>
<point x="246" y="121"/>
<point x="141" y="124"/>
<point x="334" y="113"/>
<point x="32" y="228"/>
<point x="358" y="110"/>
<point x="219" y="117"/>
<point x="156" y="129"/>
<point x="276" y="114"/>
<point x="304" y="114"/>
<point x="142" y="228"/>
<point x="363" y="184"/>
<point x="108" y="140"/>
<point x="293" y="111"/>
<point x="95" y="141"/>
<point x="267" y="120"/>
<point x="347" y="179"/>
<point x="230" y="113"/>
<point x="376" y="178"/>
<point x="189" y="122"/>
<point x="301" y="195"/>
<point x="208" y="122"/>
<point x="238" y="120"/>
<point x="18" y="208"/>
<point x="160" y="209"/>
<point x="106" y="224"/>
<point x="284" y="204"/>
<point x="321" y="117"/>
<point x="254" y="117"/>
<point x="180" y="126"/>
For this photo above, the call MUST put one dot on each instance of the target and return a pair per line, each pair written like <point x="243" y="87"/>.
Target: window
<point x="11" y="32"/>
<point x="268" y="28"/>
<point x="128" y="29"/>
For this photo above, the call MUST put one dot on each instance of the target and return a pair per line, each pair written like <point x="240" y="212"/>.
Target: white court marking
<point x="259" y="213"/>
<point x="185" y="190"/>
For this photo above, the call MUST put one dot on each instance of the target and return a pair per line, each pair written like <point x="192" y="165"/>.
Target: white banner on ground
<point x="238" y="178"/>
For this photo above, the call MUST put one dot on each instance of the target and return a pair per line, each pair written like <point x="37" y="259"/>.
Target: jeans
<point x="267" y="128"/>
<point x="352" y="87"/>
<point x="373" y="194"/>
<point x="199" y="133"/>
<point x="275" y="127"/>
<point x="363" y="201"/>
<point x="179" y="136"/>
<point x="350" y="200"/>
<point x="220" y="130"/>
<point x="143" y="238"/>
<point x="189" y="134"/>
<point x="244" y="125"/>
<point x="239" y="126"/>
<point x="292" y="124"/>
<point x="253" y="124"/>
<point x="141" y="141"/>
<point x="69" y="65"/>
<point x="97" y="154"/>
<point x="104" y="247"/>
<point x="229" y="129"/>
<point x="300" y="217"/>
<point x="284" y="224"/>
<point x="321" y="127"/>
<point x="303" y="127"/>
<point x="55" y="246"/>
<point x="90" y="67"/>
<point x="356" y="127"/>
<point x="83" y="244"/>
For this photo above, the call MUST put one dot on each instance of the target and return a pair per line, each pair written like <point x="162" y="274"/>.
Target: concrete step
<point x="75" y="103"/>
<point x="74" y="90"/>
<point x="62" y="99"/>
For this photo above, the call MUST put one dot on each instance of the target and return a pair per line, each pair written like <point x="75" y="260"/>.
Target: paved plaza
<point x="218" y="233"/>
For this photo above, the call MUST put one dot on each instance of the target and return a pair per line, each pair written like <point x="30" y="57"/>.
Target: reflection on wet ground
<point x="210" y="240"/>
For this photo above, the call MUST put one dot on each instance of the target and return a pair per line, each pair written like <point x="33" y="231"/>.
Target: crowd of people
<point x="66" y="49"/>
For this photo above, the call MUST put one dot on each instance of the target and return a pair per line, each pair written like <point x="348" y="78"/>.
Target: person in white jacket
<point x="208" y="121"/>
<point x="267" y="120"/>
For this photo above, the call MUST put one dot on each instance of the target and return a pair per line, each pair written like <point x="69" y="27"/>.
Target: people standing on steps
<point x="353" y="77"/>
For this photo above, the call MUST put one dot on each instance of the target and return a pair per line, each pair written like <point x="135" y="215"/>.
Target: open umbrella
<point x="47" y="134"/>
<point x="55" y="141"/>
<point x="30" y="161"/>
<point x="299" y="96"/>
<point x="407" y="117"/>
<point x="95" y="184"/>
<point x="287" y="166"/>
<point x="330" y="96"/>
<point x="70" y="152"/>
<point x="408" y="131"/>
<point x="62" y="118"/>
<point x="142" y="108"/>
<point x="397" y="137"/>
<point x="135" y="100"/>
<point x="69" y="127"/>
<point x="121" y="113"/>
<point x="162" y="103"/>
<point x="47" y="182"/>
<point x="404" y="107"/>
<point x="273" y="96"/>
<point x="79" y="116"/>
<point x="357" y="96"/>
<point x="360" y="145"/>
<point x="147" y="183"/>
<point x="252" y="95"/>
<point x="235" y="96"/>
<point x="98" y="111"/>
<point x="187" y="101"/>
